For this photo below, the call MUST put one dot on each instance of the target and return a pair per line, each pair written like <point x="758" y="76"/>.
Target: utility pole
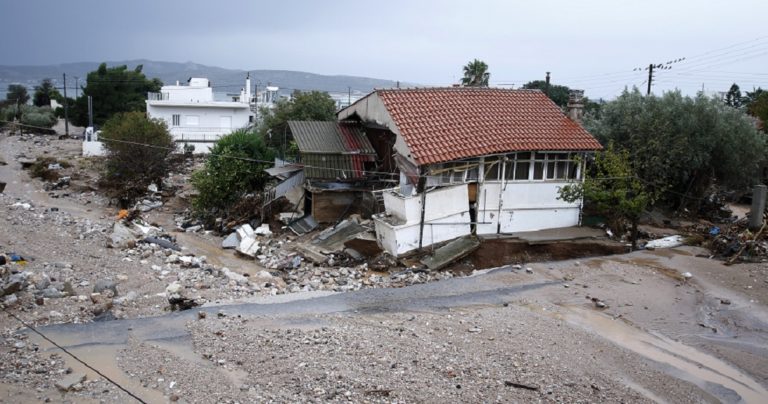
<point x="90" y="111"/>
<point x="77" y="85"/>
<point x="349" y="96"/>
<point x="66" y="107"/>
<point x="546" y="86"/>
<point x="650" y="78"/>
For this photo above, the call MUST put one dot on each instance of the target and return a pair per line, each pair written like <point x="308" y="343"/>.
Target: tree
<point x="682" y="144"/>
<point x="758" y="107"/>
<point x="234" y="168"/>
<point x="17" y="93"/>
<point x="44" y="93"/>
<point x="303" y="106"/>
<point x="614" y="190"/>
<point x="114" y="90"/>
<point x="138" y="151"/>
<point x="558" y="94"/>
<point x="476" y="74"/>
<point x="733" y="96"/>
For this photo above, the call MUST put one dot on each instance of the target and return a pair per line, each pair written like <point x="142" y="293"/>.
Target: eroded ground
<point x="509" y="335"/>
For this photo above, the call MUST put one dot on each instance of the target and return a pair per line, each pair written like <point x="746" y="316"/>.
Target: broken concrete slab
<point x="231" y="241"/>
<point x="249" y="246"/>
<point x="368" y="246"/>
<point x="245" y="231"/>
<point x="451" y="252"/>
<point x="333" y="238"/>
<point x="263" y="230"/>
<point x="311" y="253"/>
<point x="70" y="381"/>
<point x="304" y="225"/>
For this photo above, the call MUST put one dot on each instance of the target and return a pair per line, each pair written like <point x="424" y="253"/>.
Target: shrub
<point x="138" y="152"/>
<point x="230" y="173"/>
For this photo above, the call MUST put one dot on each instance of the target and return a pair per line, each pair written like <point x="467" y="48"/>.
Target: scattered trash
<point x="666" y="242"/>
<point x="516" y="385"/>
<point x="231" y="241"/>
<point x="714" y="231"/>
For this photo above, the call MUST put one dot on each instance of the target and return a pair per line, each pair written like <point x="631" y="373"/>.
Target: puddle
<point x="712" y="375"/>
<point x="103" y="358"/>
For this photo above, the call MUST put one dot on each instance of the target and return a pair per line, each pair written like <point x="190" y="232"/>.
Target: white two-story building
<point x="194" y="118"/>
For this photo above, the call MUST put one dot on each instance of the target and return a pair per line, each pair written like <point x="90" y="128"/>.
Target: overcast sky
<point x="587" y="44"/>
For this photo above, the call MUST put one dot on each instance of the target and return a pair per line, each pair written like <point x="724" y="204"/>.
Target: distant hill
<point x="223" y="80"/>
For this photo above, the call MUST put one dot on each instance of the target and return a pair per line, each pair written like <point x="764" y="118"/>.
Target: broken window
<point x="492" y="167"/>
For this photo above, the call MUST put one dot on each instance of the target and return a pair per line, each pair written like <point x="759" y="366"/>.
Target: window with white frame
<point x="175" y="120"/>
<point x="455" y="172"/>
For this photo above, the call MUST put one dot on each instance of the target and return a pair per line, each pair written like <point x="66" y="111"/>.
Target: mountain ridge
<point x="222" y="79"/>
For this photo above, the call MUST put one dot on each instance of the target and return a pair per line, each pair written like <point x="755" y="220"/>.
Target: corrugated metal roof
<point x="330" y="137"/>
<point x="334" y="166"/>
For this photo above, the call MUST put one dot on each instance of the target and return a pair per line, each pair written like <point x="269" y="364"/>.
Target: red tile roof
<point x="444" y="124"/>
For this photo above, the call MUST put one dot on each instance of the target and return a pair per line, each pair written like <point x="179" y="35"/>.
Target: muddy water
<point x="681" y="361"/>
<point x="104" y="358"/>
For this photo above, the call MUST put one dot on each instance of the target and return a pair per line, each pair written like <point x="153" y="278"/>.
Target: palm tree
<point x="476" y="74"/>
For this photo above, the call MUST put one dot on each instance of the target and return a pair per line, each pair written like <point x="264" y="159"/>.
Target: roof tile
<point x="443" y="124"/>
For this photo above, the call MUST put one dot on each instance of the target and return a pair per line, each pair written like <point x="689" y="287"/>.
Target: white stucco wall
<point x="524" y="206"/>
<point x="446" y="217"/>
<point x="201" y="124"/>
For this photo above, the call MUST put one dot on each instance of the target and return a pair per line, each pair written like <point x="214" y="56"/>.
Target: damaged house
<point x="471" y="161"/>
<point x="338" y="160"/>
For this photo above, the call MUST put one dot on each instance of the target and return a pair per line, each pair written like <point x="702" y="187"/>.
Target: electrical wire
<point x="75" y="357"/>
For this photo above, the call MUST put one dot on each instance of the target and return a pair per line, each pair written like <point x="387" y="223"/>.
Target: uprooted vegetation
<point x="47" y="168"/>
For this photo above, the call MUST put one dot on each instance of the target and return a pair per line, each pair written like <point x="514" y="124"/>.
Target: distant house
<point x="470" y="161"/>
<point x="194" y="118"/>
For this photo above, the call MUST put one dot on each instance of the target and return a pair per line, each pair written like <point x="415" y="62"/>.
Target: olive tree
<point x="138" y="151"/>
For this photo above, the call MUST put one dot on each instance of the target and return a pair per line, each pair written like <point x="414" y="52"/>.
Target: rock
<point x="15" y="283"/>
<point x="529" y="270"/>
<point x="173" y="288"/>
<point x="725" y="301"/>
<point x="687" y="275"/>
<point x="248" y="246"/>
<point x="69" y="381"/>
<point x="475" y="330"/>
<point x="121" y="237"/>
<point x="52" y="293"/>
<point x="105" y="284"/>
<point x="10" y="300"/>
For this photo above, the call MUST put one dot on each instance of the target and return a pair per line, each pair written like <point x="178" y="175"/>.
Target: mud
<point x="499" y="252"/>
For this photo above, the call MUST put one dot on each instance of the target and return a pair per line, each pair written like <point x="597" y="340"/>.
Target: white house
<point x="471" y="161"/>
<point x="193" y="116"/>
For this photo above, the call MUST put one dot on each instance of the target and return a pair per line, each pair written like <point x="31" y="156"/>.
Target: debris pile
<point x="737" y="242"/>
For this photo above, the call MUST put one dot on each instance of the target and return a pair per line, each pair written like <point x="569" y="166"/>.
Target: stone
<point x="52" y="293"/>
<point x="69" y="381"/>
<point x="173" y="288"/>
<point x="105" y="284"/>
<point x="10" y="300"/>
<point x="121" y="237"/>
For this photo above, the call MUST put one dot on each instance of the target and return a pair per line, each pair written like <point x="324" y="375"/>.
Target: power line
<point x="36" y="331"/>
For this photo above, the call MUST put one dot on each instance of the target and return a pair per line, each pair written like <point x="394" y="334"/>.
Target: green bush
<point x="138" y="151"/>
<point x="230" y="173"/>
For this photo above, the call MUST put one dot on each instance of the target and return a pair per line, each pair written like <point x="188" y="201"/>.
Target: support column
<point x="758" y="207"/>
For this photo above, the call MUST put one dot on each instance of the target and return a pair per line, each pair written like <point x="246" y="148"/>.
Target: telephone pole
<point x="77" y="85"/>
<point x="656" y="66"/>
<point x="349" y="96"/>
<point x="66" y="107"/>
<point x="650" y="78"/>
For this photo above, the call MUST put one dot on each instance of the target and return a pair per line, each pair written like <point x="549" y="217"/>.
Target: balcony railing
<point x="158" y="96"/>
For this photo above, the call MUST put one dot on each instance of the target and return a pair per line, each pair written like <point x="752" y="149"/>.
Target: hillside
<point x="224" y="80"/>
